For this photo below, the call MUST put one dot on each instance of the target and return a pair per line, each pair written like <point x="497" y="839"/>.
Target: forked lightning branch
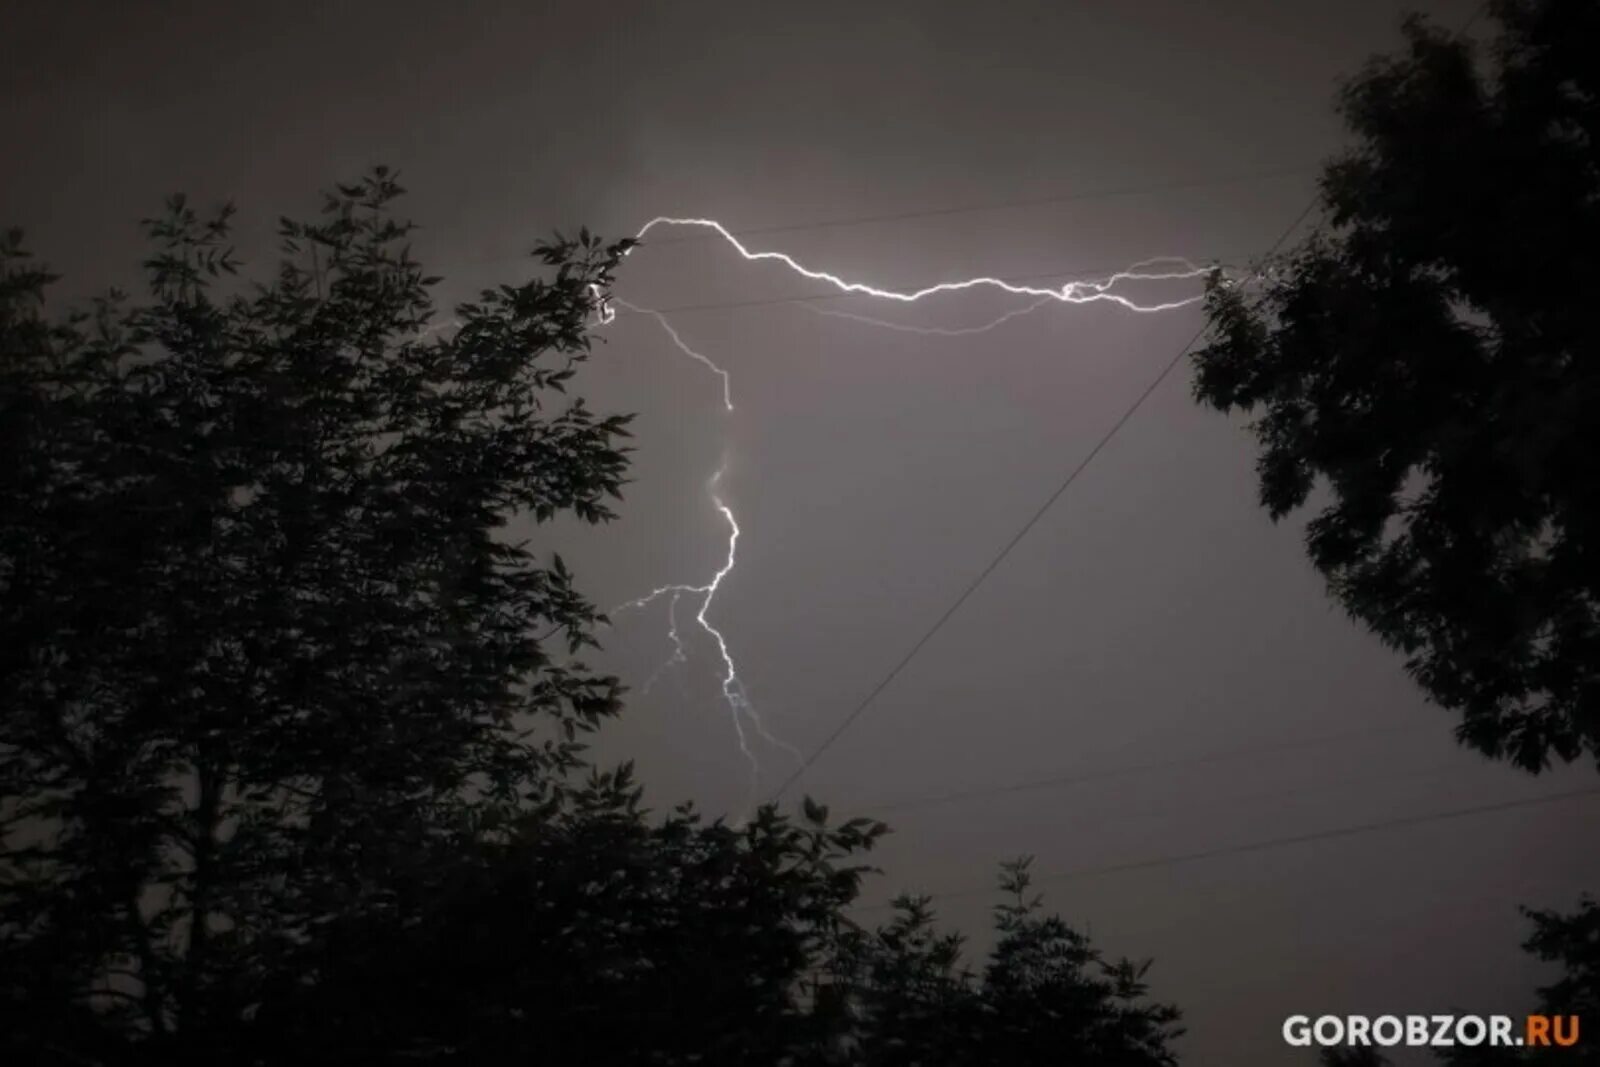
<point x="749" y="729"/>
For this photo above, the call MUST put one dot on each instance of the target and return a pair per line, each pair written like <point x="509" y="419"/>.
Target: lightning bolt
<point x="678" y="342"/>
<point x="733" y="691"/>
<point x="1186" y="271"/>
<point x="679" y="653"/>
<point x="1073" y="292"/>
<point x="1081" y="291"/>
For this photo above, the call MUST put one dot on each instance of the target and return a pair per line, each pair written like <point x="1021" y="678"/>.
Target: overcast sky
<point x="1153" y="619"/>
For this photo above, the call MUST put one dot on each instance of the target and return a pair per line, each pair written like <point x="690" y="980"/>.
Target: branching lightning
<point x="733" y="691"/>
<point x="1161" y="269"/>
<point x="679" y="653"/>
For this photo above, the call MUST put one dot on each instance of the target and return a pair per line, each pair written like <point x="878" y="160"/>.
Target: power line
<point x="967" y="209"/>
<point x="1407" y="773"/>
<point x="1270" y="843"/>
<point x="1033" y="520"/>
<point x="1107" y="773"/>
<point x="1004" y="205"/>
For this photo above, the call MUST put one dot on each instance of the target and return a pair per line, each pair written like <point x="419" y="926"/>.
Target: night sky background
<point x="1155" y="641"/>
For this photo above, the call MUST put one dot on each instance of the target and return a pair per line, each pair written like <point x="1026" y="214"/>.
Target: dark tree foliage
<point x="601" y="936"/>
<point x="1570" y="940"/>
<point x="286" y="772"/>
<point x="1045" y="995"/>
<point x="1430" y="359"/>
<point x="262" y="644"/>
<point x="590" y="935"/>
<point x="1573" y="941"/>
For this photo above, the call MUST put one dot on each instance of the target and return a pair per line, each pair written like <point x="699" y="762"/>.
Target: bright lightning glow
<point x="742" y="712"/>
<point x="1075" y="292"/>
<point x="1186" y="271"/>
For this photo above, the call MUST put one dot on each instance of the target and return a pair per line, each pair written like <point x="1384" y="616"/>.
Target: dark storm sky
<point x="1154" y="616"/>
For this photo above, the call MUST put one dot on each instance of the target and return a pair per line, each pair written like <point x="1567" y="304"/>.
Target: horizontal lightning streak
<point x="1074" y="292"/>
<point x="1186" y="271"/>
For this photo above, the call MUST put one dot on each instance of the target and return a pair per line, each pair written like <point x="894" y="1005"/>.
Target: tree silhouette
<point x="588" y="935"/>
<point x="264" y="645"/>
<point x="286" y="771"/>
<point x="1045" y="994"/>
<point x="600" y="936"/>
<point x="1573" y="941"/>
<point x="1429" y="361"/>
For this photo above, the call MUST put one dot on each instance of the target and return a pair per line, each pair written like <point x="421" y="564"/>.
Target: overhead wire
<point x="1102" y="774"/>
<point x="1033" y="520"/>
<point x="1271" y="843"/>
<point x="900" y="665"/>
